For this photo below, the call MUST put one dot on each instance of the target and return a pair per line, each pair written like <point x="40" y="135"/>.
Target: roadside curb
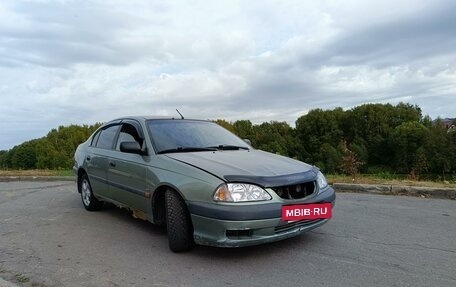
<point x="37" y="178"/>
<point x="386" y="189"/>
<point x="419" y="191"/>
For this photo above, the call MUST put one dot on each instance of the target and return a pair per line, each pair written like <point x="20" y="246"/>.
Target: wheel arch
<point x="159" y="205"/>
<point x="80" y="173"/>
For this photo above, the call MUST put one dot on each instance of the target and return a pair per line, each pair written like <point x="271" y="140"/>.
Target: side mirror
<point x="131" y="147"/>
<point x="247" y="141"/>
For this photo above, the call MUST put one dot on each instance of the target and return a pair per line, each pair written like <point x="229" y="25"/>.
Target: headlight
<point x="321" y="180"/>
<point x="240" y="192"/>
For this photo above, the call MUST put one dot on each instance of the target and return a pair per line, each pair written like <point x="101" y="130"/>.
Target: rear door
<point x="97" y="161"/>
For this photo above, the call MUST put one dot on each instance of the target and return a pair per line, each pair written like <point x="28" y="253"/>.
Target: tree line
<point x="54" y="151"/>
<point x="371" y="138"/>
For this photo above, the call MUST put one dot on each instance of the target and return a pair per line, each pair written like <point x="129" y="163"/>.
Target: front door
<point x="127" y="173"/>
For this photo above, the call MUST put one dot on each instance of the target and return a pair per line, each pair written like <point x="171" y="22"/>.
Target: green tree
<point x="54" y="151"/>
<point x="244" y="130"/>
<point x="227" y="125"/>
<point x="407" y="140"/>
<point x="276" y="137"/>
<point x="439" y="149"/>
<point x="421" y="164"/>
<point x="317" y="128"/>
<point x="374" y="124"/>
<point x="358" y="146"/>
<point x="24" y="156"/>
<point x="5" y="161"/>
<point x="329" y="158"/>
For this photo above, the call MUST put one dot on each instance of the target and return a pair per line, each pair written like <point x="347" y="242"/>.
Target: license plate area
<point x="306" y="211"/>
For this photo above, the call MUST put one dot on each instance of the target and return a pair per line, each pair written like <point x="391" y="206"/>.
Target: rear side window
<point x="107" y="136"/>
<point x="95" y="138"/>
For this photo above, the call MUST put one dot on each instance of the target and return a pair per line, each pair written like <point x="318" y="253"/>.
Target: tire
<point x="178" y="223"/>
<point x="88" y="200"/>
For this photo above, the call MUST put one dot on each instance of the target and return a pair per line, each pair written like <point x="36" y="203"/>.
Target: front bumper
<point x="244" y="225"/>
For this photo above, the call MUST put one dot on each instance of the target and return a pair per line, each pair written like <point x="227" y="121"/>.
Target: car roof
<point x="146" y="118"/>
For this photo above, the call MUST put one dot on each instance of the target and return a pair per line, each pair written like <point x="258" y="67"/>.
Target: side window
<point x="95" y="138"/>
<point x="106" y="138"/>
<point x="128" y="133"/>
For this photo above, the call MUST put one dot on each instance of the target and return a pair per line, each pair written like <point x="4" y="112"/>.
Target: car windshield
<point x="192" y="135"/>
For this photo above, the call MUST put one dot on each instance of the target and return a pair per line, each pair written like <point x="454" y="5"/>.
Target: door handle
<point x="113" y="164"/>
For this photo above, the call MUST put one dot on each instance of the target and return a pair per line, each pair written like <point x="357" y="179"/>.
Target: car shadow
<point x="125" y="215"/>
<point x="301" y="242"/>
<point x="262" y="251"/>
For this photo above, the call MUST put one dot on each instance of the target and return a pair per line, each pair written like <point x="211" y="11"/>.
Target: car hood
<point x="252" y="166"/>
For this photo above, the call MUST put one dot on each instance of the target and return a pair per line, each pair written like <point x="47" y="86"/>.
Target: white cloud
<point x="64" y="62"/>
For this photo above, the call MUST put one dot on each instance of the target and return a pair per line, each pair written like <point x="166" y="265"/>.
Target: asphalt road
<point x="48" y="239"/>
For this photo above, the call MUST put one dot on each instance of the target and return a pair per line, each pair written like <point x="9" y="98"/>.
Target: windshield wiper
<point x="229" y="147"/>
<point x="186" y="149"/>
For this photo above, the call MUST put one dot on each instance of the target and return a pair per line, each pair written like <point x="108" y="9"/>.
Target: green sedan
<point x="205" y="184"/>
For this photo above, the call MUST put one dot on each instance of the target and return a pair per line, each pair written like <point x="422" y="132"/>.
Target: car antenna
<point x="182" y="117"/>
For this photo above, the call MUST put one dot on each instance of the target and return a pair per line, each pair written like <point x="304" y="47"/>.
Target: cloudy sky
<point x="81" y="62"/>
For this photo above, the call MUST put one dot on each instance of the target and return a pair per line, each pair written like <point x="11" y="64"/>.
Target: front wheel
<point x="178" y="223"/>
<point x="88" y="200"/>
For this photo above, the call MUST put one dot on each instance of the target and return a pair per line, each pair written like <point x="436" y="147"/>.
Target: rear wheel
<point x="88" y="200"/>
<point x="178" y="223"/>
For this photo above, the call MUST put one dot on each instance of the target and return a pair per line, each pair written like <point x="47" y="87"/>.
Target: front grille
<point x="295" y="191"/>
<point x="292" y="225"/>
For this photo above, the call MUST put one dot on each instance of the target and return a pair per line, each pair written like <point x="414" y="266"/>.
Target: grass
<point x="21" y="278"/>
<point x="36" y="172"/>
